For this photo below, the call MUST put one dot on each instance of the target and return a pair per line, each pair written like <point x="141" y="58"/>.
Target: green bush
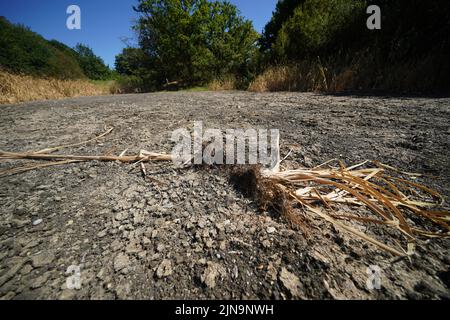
<point x="129" y="84"/>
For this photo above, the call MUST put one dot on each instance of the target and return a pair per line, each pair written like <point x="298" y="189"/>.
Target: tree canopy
<point x="92" y="65"/>
<point x="190" y="42"/>
<point x="283" y="12"/>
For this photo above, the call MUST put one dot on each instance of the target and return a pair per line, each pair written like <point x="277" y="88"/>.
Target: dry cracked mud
<point x="189" y="234"/>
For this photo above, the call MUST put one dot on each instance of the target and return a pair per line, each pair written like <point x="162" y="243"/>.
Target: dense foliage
<point x="313" y="26"/>
<point x="412" y="46"/>
<point x="92" y="65"/>
<point x="283" y="11"/>
<point x="23" y="51"/>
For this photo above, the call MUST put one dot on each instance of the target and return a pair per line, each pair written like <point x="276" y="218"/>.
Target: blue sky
<point x="104" y="23"/>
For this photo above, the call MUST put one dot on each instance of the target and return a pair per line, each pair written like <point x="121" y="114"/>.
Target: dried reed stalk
<point x="145" y="157"/>
<point x="45" y="154"/>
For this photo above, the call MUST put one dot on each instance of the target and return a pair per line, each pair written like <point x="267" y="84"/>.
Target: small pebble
<point x="37" y="222"/>
<point x="271" y="230"/>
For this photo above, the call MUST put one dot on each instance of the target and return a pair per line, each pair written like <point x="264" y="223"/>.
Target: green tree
<point x="137" y="73"/>
<point x="283" y="11"/>
<point x="93" y="66"/>
<point x="194" y="41"/>
<point x="132" y="61"/>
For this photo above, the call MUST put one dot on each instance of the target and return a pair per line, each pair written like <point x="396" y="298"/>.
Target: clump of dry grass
<point x="355" y="73"/>
<point x="223" y="84"/>
<point x="342" y="81"/>
<point x="305" y="77"/>
<point x="372" y="193"/>
<point x="20" y="88"/>
<point x="296" y="77"/>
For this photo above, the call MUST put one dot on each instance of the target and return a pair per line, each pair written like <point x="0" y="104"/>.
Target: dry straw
<point x="19" y="88"/>
<point x="388" y="200"/>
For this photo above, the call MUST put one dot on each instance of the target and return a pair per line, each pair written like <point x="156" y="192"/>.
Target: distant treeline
<point x="321" y="45"/>
<point x="24" y="51"/>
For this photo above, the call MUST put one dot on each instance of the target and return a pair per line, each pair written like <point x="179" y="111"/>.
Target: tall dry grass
<point x="223" y="84"/>
<point x="20" y="88"/>
<point x="296" y="77"/>
<point x="360" y="73"/>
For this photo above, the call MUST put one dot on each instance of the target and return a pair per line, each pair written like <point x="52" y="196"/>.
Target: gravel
<point x="189" y="233"/>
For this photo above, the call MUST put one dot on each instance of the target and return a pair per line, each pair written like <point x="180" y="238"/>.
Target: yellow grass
<point x="361" y="73"/>
<point x="224" y="84"/>
<point x="20" y="88"/>
<point x="299" y="77"/>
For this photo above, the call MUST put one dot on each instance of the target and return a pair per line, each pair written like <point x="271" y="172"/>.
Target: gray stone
<point x="40" y="281"/>
<point x="164" y="269"/>
<point x="42" y="259"/>
<point x="102" y="234"/>
<point x="271" y="230"/>
<point x="209" y="276"/>
<point x="26" y="269"/>
<point x="121" y="262"/>
<point x="15" y="265"/>
<point x="291" y="282"/>
<point x="37" y="222"/>
<point x="67" y="295"/>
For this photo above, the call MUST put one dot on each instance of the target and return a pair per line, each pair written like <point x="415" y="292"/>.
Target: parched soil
<point x="189" y="233"/>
